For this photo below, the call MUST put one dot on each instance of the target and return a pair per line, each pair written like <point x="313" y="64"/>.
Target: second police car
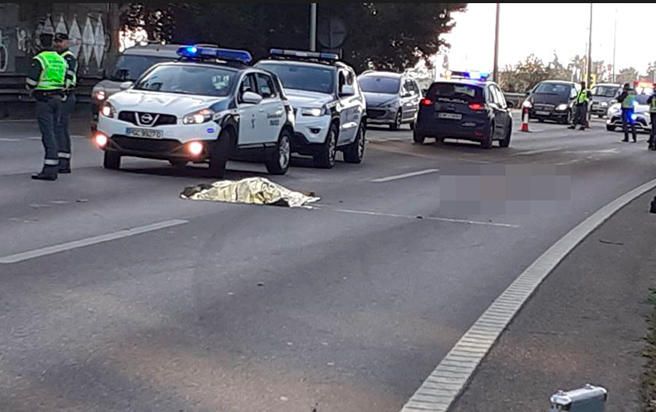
<point x="206" y="108"/>
<point x="329" y="105"/>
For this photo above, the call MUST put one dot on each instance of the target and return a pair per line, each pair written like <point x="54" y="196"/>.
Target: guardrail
<point x="514" y="100"/>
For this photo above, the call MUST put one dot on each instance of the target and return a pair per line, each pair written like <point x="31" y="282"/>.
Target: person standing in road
<point x="627" y="100"/>
<point x="46" y="80"/>
<point x="652" y="114"/>
<point x="581" y="108"/>
<point x="68" y="106"/>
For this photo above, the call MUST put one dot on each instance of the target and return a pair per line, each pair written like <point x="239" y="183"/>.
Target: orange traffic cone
<point x="524" y="120"/>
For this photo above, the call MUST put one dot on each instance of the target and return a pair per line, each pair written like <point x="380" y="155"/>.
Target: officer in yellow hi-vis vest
<point x="46" y="79"/>
<point x="581" y="108"/>
<point x="652" y="114"/>
<point x="62" y="133"/>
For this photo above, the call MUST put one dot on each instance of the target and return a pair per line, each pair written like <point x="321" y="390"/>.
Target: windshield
<point x="560" y="89"/>
<point x="129" y="68"/>
<point x="187" y="79"/>
<point x="604" y="91"/>
<point x="465" y="92"/>
<point x="302" y="77"/>
<point x="385" y="85"/>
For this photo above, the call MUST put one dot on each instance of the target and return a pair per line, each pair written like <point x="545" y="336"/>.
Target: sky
<point x="542" y="28"/>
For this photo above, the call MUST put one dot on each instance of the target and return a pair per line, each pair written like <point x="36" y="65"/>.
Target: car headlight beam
<point x="199" y="117"/>
<point x="312" y="111"/>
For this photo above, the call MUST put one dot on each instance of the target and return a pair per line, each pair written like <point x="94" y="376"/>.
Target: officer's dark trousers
<point x="48" y="111"/>
<point x="652" y="134"/>
<point x="62" y="133"/>
<point x="627" y="122"/>
<point x="583" y="114"/>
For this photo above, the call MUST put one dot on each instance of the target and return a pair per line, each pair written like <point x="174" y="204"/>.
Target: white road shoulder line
<point x="49" y="250"/>
<point x="405" y="175"/>
<point x="449" y="378"/>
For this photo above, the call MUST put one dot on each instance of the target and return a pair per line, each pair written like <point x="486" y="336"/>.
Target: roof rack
<point x="212" y="54"/>
<point x="322" y="57"/>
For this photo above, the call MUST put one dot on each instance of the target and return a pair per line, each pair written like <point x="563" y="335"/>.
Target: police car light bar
<point x="196" y="52"/>
<point x="470" y="75"/>
<point x="304" y="54"/>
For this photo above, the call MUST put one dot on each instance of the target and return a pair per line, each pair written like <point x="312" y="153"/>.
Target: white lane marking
<point x="449" y="378"/>
<point x="405" y="175"/>
<point x="538" y="151"/>
<point x="49" y="250"/>
<point x="432" y="218"/>
<point x="9" y="139"/>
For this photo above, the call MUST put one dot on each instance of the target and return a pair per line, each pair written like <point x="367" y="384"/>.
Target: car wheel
<point x="412" y="125"/>
<point x="325" y="157"/>
<point x="418" y="137"/>
<point x="112" y="160"/>
<point x="354" y="152"/>
<point x="505" y="142"/>
<point x="568" y="119"/>
<point x="610" y="128"/>
<point x="486" y="143"/>
<point x="397" y="121"/>
<point x="219" y="153"/>
<point x="277" y="162"/>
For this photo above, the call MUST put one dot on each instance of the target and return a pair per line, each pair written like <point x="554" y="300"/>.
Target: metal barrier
<point x="514" y="100"/>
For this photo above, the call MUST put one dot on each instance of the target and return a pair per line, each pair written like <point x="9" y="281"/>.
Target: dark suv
<point x="552" y="100"/>
<point x="464" y="109"/>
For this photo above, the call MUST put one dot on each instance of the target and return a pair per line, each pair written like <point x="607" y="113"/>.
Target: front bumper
<point x="598" y="109"/>
<point x="642" y="122"/>
<point x="547" y="114"/>
<point x="309" y="130"/>
<point x="380" y="115"/>
<point x="171" y="146"/>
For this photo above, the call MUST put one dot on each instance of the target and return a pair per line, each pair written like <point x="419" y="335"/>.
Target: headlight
<point x="99" y="95"/>
<point x="108" y="110"/>
<point x="527" y="104"/>
<point x="562" y="107"/>
<point x="198" y="117"/>
<point x="312" y="111"/>
<point x="604" y="104"/>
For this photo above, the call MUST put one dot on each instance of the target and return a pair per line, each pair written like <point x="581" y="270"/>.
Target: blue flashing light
<point x="634" y="116"/>
<point x="241" y="56"/>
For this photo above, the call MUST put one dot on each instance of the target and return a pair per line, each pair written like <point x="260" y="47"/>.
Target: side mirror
<point x="251" y="98"/>
<point x="406" y="95"/>
<point x="125" y="85"/>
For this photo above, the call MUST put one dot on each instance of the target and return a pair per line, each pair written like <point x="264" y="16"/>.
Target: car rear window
<point x="454" y="91"/>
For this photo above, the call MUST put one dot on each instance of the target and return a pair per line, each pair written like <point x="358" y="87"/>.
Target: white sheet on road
<point x="252" y="190"/>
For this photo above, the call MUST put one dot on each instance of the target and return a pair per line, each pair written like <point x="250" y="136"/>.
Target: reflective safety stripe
<point x="51" y="162"/>
<point x="63" y="155"/>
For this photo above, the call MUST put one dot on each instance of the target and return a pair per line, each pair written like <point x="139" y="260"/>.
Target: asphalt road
<point x="344" y="307"/>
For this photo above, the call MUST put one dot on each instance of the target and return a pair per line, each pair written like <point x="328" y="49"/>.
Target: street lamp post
<point x="614" y="43"/>
<point x="313" y="27"/>
<point x="495" y="73"/>
<point x="590" y="49"/>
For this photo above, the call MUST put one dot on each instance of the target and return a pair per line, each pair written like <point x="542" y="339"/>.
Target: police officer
<point x="627" y="100"/>
<point x="68" y="106"/>
<point x="652" y="114"/>
<point x="581" y="102"/>
<point x="46" y="79"/>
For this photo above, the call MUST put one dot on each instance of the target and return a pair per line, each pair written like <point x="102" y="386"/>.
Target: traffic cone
<point x="524" y="127"/>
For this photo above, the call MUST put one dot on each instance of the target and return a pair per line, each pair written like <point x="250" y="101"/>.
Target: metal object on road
<point x="253" y="190"/>
<point x="586" y="399"/>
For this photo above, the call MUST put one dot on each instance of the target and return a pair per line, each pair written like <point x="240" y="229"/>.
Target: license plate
<point x="540" y="113"/>
<point x="147" y="133"/>
<point x="452" y="116"/>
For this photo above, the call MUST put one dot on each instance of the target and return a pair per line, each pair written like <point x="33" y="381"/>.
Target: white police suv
<point x="205" y="108"/>
<point x="329" y="105"/>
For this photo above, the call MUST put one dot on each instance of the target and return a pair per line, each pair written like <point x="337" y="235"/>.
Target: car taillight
<point x="476" y="106"/>
<point x="426" y="102"/>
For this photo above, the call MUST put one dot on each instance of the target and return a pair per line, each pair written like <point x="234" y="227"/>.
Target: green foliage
<point x="627" y="75"/>
<point x="391" y="36"/>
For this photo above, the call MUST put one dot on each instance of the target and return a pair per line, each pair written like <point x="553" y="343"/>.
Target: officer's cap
<point x="61" y="36"/>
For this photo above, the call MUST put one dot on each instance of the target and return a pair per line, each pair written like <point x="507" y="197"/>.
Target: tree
<point x="651" y="71"/>
<point x="627" y="75"/>
<point x="556" y="71"/>
<point x="391" y="36"/>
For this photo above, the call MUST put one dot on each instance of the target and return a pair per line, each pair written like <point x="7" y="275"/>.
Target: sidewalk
<point x="585" y="324"/>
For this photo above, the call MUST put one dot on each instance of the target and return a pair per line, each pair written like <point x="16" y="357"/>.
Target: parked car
<point x="207" y="108"/>
<point x="392" y="98"/>
<point x="603" y="96"/>
<point x="552" y="100"/>
<point x="329" y="105"/>
<point x="131" y="64"/>
<point x="641" y="115"/>
<point x="464" y="109"/>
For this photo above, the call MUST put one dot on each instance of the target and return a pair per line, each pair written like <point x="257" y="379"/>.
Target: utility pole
<point x="495" y="73"/>
<point x="313" y="27"/>
<point x="590" y="50"/>
<point x="614" y="43"/>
